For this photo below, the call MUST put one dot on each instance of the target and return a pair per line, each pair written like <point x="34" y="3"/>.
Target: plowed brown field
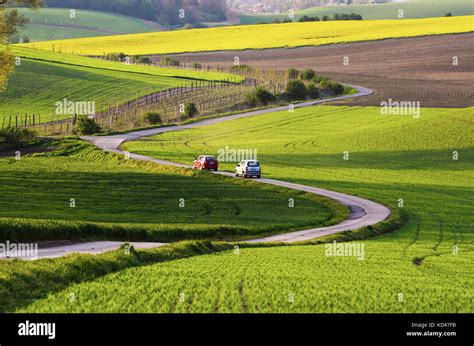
<point x="411" y="69"/>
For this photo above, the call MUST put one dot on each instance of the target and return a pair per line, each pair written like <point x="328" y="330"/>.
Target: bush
<point x="171" y="62"/>
<point x="320" y="79"/>
<point x="306" y="18"/>
<point x="190" y="109"/>
<point x="312" y="91"/>
<point x="87" y="126"/>
<point x="263" y="96"/>
<point x="188" y="26"/>
<point x="152" y="118"/>
<point x="116" y="56"/>
<point x="449" y="14"/>
<point x="292" y="73"/>
<point x="259" y="96"/>
<point x="251" y="99"/>
<point x="334" y="87"/>
<point x="338" y="89"/>
<point x="144" y="60"/>
<point x="354" y="16"/>
<point x="325" y="18"/>
<point x="240" y="68"/>
<point x="12" y="137"/>
<point x="196" y="66"/>
<point x="308" y="74"/>
<point x="296" y="90"/>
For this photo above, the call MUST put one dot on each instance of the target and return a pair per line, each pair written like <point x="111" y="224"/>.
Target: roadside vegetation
<point x="259" y="37"/>
<point x="15" y="138"/>
<point x="302" y="85"/>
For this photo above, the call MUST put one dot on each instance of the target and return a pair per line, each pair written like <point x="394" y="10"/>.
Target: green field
<point x="44" y="78"/>
<point x="415" y="9"/>
<point x="259" y="36"/>
<point x="263" y="280"/>
<point x="119" y="199"/>
<point x="56" y="24"/>
<point x="391" y="157"/>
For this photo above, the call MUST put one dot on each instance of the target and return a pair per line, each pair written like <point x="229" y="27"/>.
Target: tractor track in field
<point x="363" y="212"/>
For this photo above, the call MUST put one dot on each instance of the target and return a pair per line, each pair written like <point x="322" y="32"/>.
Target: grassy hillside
<point x="415" y="9"/>
<point x="119" y="199"/>
<point x="264" y="279"/>
<point x="257" y="37"/>
<point x="390" y="157"/>
<point x="43" y="78"/>
<point x="56" y="24"/>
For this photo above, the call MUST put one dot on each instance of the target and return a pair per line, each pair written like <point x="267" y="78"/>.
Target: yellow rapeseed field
<point x="260" y="36"/>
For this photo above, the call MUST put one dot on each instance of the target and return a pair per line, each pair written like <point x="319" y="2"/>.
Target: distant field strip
<point x="415" y="9"/>
<point x="56" y="24"/>
<point x="82" y="61"/>
<point x="260" y="36"/>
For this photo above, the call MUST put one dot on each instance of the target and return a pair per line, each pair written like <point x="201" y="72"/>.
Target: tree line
<point x="167" y="12"/>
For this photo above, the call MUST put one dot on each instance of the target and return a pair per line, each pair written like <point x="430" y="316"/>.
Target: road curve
<point x="363" y="212"/>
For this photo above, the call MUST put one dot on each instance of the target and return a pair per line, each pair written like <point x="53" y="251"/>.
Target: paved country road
<point x="363" y="212"/>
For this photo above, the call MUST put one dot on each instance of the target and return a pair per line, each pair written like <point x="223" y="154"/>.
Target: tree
<point x="312" y="91"/>
<point x="152" y="118"/>
<point x="9" y="22"/>
<point x="87" y="126"/>
<point x="304" y="18"/>
<point x="190" y="109"/>
<point x="292" y="73"/>
<point x="296" y="90"/>
<point x="308" y="74"/>
<point x="144" y="60"/>
<point x="263" y="96"/>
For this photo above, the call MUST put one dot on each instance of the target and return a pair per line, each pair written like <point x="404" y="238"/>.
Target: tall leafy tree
<point x="9" y="22"/>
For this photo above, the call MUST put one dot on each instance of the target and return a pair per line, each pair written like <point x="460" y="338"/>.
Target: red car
<point x="206" y="162"/>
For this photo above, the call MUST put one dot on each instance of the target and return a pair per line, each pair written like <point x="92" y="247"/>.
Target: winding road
<point x="363" y="212"/>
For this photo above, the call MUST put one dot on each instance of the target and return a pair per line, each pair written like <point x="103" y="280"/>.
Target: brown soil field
<point x="409" y="69"/>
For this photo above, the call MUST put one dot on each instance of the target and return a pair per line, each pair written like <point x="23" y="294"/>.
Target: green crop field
<point x="414" y="9"/>
<point x="259" y="37"/>
<point x="275" y="280"/>
<point x="44" y="78"/>
<point x="56" y="24"/>
<point x="423" y="267"/>
<point x="127" y="200"/>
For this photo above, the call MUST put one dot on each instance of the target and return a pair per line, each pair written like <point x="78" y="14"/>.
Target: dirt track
<point x="411" y="69"/>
